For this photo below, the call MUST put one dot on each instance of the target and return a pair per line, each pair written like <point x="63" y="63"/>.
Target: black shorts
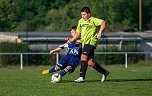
<point x="89" y="51"/>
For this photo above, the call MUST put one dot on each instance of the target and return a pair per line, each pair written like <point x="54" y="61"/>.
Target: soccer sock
<point x="53" y="69"/>
<point x="98" y="68"/>
<point x="63" y="72"/>
<point x="84" y="66"/>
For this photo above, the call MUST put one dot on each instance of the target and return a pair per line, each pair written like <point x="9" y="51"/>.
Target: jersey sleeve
<point x="63" y="46"/>
<point x="97" y="21"/>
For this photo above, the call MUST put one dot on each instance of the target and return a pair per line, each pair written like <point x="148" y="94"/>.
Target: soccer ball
<point x="56" y="78"/>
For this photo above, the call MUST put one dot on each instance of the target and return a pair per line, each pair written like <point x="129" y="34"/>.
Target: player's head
<point x="73" y="30"/>
<point x="85" y="13"/>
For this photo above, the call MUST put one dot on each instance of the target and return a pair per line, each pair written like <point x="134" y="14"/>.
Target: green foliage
<point x="31" y="59"/>
<point x="7" y="21"/>
<point x="45" y="59"/>
<point x="110" y="58"/>
<point x="144" y="63"/>
<point x="60" y="15"/>
<point x="133" y="58"/>
<point x="6" y="60"/>
<point x="120" y="14"/>
<point x="119" y="58"/>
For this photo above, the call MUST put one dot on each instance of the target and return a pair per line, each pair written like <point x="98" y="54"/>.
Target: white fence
<point x="57" y="55"/>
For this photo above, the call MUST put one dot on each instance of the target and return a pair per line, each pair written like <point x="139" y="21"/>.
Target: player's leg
<point x="84" y="65"/>
<point x="83" y="69"/>
<point x="84" y="61"/>
<point x="65" y="70"/>
<point x="53" y="69"/>
<point x="57" y="67"/>
<point x="99" y="69"/>
<point x="72" y="64"/>
<point x="97" y="66"/>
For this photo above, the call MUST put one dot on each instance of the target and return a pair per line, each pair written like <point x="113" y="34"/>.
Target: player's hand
<point x="69" y="41"/>
<point x="51" y="52"/>
<point x="99" y="36"/>
<point x="67" y="38"/>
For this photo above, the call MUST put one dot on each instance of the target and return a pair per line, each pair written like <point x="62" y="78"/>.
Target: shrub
<point x="10" y="59"/>
<point x="118" y="58"/>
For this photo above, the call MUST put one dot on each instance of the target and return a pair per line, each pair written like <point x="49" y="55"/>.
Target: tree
<point x="60" y="15"/>
<point x="7" y="18"/>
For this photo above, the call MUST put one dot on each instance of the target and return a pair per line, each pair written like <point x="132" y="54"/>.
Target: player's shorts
<point x="88" y="50"/>
<point x="69" y="60"/>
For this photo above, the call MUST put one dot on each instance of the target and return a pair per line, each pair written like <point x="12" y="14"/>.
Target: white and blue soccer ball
<point x="56" y="78"/>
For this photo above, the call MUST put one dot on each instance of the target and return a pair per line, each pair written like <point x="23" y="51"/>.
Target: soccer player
<point x="87" y="29"/>
<point x="71" y="60"/>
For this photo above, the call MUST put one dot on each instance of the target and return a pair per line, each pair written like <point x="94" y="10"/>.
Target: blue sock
<point x="53" y="69"/>
<point x="64" y="71"/>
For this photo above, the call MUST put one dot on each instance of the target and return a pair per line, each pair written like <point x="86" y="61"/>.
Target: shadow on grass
<point x="86" y="81"/>
<point x="127" y="80"/>
<point x="110" y="80"/>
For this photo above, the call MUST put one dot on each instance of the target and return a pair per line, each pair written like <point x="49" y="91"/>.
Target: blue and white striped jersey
<point x="74" y="48"/>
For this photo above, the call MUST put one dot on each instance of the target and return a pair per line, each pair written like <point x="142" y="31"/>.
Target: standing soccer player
<point x="87" y="29"/>
<point x="71" y="60"/>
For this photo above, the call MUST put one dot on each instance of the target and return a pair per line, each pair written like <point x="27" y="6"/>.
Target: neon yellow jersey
<point x="89" y="30"/>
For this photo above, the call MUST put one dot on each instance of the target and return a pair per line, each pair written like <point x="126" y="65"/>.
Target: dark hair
<point x="73" y="27"/>
<point x="85" y="9"/>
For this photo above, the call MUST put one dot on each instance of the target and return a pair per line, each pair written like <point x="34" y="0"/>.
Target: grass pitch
<point x="134" y="81"/>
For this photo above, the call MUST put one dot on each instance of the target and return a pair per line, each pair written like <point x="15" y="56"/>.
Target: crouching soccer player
<point x="71" y="60"/>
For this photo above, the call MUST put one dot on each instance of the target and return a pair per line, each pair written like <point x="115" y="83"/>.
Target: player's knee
<point x="84" y="57"/>
<point x="91" y="63"/>
<point x="69" y="68"/>
<point x="58" y="68"/>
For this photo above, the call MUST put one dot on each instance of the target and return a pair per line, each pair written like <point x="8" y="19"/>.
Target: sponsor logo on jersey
<point x="74" y="51"/>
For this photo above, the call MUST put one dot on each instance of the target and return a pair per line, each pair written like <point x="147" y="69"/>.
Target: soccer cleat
<point x="45" y="72"/>
<point x="104" y="76"/>
<point x="79" y="80"/>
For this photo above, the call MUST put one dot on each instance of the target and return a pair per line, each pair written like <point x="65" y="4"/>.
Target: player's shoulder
<point x="94" y="18"/>
<point x="81" y="20"/>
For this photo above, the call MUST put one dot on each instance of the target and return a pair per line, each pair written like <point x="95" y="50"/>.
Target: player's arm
<point x="102" y="27"/>
<point x="74" y="38"/>
<point x="79" y="41"/>
<point x="55" y="50"/>
<point x="59" y="48"/>
<point x="67" y="38"/>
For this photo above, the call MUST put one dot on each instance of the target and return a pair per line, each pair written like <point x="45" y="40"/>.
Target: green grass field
<point x="134" y="81"/>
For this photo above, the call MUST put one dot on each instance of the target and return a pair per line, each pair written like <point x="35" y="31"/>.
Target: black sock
<point x="98" y="68"/>
<point x="83" y="69"/>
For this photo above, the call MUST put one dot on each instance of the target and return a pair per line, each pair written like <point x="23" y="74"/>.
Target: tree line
<point x="60" y="15"/>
